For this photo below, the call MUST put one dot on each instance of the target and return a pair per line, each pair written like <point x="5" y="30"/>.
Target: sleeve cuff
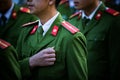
<point x="25" y="68"/>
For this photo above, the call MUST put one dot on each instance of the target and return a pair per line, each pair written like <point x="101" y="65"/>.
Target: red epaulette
<point x="63" y="1"/>
<point x="30" y="23"/>
<point x="76" y="14"/>
<point x="26" y="10"/>
<point x="112" y="12"/>
<point x="4" y="44"/>
<point x="70" y="27"/>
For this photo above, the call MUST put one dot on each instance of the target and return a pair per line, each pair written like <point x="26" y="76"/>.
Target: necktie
<point x="40" y="35"/>
<point x="40" y="30"/>
<point x="3" y="20"/>
<point x="85" y="21"/>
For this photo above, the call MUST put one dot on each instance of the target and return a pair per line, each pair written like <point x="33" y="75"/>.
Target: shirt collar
<point x="48" y="24"/>
<point x="9" y="12"/>
<point x="92" y="14"/>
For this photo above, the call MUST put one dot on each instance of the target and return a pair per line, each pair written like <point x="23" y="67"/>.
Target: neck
<point x="44" y="16"/>
<point x="91" y="8"/>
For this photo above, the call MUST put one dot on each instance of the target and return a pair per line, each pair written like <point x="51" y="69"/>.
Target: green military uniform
<point x="70" y="50"/>
<point x="11" y="30"/>
<point x="102" y="43"/>
<point x="65" y="9"/>
<point x="9" y="67"/>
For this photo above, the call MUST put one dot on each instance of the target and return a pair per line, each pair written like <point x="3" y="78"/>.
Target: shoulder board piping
<point x="63" y="1"/>
<point x="30" y="23"/>
<point x="75" y="14"/>
<point x="112" y="11"/>
<point x="70" y="27"/>
<point x="4" y="44"/>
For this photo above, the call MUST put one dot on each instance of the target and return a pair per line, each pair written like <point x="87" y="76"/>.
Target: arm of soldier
<point x="43" y="58"/>
<point x="114" y="49"/>
<point x="9" y="63"/>
<point x="76" y="57"/>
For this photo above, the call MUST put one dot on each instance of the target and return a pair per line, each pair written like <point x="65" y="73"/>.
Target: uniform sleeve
<point x="76" y="57"/>
<point x="114" y="49"/>
<point x="9" y="66"/>
<point x="24" y="62"/>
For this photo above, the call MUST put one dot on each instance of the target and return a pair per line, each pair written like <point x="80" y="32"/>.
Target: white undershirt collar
<point x="48" y="24"/>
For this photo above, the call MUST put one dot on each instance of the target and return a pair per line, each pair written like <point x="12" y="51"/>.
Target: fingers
<point x="45" y="57"/>
<point x="50" y="50"/>
<point x="51" y="59"/>
<point x="52" y="55"/>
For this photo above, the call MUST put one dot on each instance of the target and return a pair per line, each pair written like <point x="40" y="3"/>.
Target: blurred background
<point x="20" y="2"/>
<point x="115" y="4"/>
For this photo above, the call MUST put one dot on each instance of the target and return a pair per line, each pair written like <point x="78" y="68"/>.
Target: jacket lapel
<point x="94" y="21"/>
<point x="90" y="25"/>
<point x="11" y="21"/>
<point x="49" y="38"/>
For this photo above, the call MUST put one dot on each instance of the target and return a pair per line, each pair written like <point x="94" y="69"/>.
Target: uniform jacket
<point x="11" y="30"/>
<point x="9" y="66"/>
<point x="70" y="53"/>
<point x="102" y="43"/>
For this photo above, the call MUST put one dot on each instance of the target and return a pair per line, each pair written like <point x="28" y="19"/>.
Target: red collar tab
<point x="55" y="30"/>
<point x="98" y="15"/>
<point x="76" y="14"/>
<point x="4" y="44"/>
<point x="26" y="10"/>
<point x="112" y="12"/>
<point x="14" y="14"/>
<point x="63" y="1"/>
<point x="70" y="27"/>
<point x="34" y="29"/>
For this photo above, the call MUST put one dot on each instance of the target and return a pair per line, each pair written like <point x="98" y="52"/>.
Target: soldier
<point x="9" y="66"/>
<point x="101" y="29"/>
<point x="65" y="9"/>
<point x="63" y="39"/>
<point x="11" y="18"/>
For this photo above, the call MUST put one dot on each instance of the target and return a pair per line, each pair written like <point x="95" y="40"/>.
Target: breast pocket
<point x="95" y="41"/>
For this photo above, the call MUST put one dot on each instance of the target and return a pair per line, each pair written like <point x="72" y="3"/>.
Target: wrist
<point x="31" y="63"/>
